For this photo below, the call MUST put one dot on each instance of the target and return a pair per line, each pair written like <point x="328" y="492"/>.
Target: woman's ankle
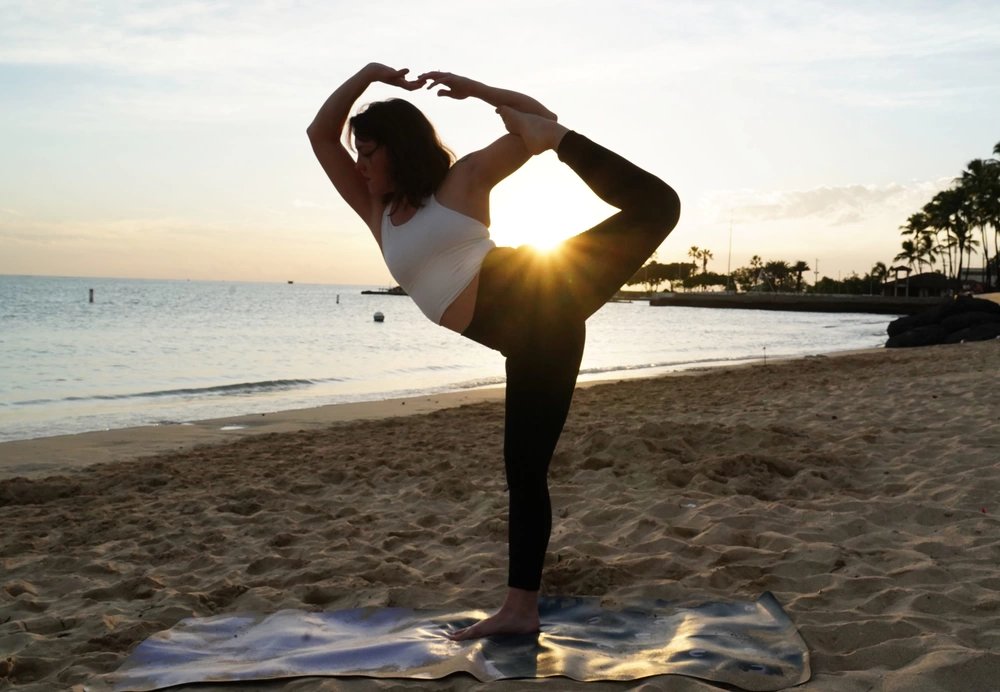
<point x="520" y="600"/>
<point x="539" y="133"/>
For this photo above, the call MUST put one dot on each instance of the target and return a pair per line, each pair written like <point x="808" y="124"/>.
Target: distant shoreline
<point x="882" y="305"/>
<point x="394" y="291"/>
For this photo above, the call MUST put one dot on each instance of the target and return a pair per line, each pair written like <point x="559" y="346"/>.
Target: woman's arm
<point x="327" y="128"/>
<point x="480" y="171"/>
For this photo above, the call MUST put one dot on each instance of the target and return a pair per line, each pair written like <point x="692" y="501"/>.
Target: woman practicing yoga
<point x="430" y="217"/>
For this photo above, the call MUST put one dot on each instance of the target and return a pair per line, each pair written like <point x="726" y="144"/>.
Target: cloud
<point x="197" y="61"/>
<point x="834" y="205"/>
<point x="157" y="38"/>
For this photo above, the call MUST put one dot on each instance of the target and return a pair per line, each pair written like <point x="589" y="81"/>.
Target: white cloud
<point x="832" y="205"/>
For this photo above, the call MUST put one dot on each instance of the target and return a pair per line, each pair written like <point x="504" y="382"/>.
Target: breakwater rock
<point x="951" y="322"/>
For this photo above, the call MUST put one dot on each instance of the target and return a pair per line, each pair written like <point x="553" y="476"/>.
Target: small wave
<point x="420" y="369"/>
<point x="609" y="369"/>
<point x="217" y="390"/>
<point x="482" y="382"/>
<point x="676" y="364"/>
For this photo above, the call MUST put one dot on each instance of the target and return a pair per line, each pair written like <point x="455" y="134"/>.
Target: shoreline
<point x="59" y="454"/>
<point x="448" y="389"/>
<point x="41" y="456"/>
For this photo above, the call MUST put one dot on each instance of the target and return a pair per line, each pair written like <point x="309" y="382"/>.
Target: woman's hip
<point x="520" y="300"/>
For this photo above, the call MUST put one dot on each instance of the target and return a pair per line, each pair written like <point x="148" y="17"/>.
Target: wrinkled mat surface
<point x="753" y="646"/>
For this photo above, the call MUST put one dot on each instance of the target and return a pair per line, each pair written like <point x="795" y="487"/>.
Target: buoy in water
<point x="379" y="317"/>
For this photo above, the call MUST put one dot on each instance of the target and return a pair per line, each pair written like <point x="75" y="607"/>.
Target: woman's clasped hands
<point x="457" y="87"/>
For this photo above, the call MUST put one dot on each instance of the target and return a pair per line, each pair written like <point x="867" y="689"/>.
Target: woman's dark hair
<point x="418" y="161"/>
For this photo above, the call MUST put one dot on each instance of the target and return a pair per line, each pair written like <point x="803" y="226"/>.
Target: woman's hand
<point x="458" y="87"/>
<point x="377" y="72"/>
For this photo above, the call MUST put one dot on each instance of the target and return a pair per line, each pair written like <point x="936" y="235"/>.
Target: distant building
<point x="925" y="285"/>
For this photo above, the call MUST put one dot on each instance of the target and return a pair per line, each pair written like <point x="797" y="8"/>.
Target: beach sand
<point x="863" y="490"/>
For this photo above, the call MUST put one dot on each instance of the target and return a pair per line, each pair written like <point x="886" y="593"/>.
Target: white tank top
<point x="435" y="254"/>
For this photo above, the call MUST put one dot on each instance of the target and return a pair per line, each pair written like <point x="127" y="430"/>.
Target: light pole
<point x="729" y="261"/>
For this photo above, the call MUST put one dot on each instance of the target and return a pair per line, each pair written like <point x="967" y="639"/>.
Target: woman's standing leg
<point x="541" y="378"/>
<point x="543" y="349"/>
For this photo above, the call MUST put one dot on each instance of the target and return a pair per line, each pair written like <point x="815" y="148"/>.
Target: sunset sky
<point x="167" y="139"/>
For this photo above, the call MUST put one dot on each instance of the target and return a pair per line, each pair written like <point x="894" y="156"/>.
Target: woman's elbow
<point x="316" y="132"/>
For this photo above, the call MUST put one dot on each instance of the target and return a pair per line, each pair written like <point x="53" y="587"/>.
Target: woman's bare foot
<point x="517" y="615"/>
<point x="538" y="133"/>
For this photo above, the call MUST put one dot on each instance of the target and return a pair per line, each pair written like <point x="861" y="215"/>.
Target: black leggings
<point x="532" y="308"/>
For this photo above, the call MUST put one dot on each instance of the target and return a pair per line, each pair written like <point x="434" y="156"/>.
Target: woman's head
<point x="417" y="161"/>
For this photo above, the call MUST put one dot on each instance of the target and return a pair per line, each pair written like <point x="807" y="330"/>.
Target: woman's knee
<point x="660" y="209"/>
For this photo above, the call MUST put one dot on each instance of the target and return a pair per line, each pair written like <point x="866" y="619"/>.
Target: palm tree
<point x="916" y="225"/>
<point x="705" y="256"/>
<point x="970" y="244"/>
<point x="798" y="268"/>
<point x="878" y="273"/>
<point x="980" y="182"/>
<point x="910" y="253"/>
<point x="927" y="249"/>
<point x="992" y="207"/>
<point x="699" y="255"/>
<point x="695" y="253"/>
<point x="948" y="211"/>
<point x="778" y="272"/>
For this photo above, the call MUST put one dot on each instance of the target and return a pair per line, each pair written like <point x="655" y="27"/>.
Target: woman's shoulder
<point x="459" y="192"/>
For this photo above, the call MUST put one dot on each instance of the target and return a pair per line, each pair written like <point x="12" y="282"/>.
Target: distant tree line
<point x="772" y="276"/>
<point x="955" y="226"/>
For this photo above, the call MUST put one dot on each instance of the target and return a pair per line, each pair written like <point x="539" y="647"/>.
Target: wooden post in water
<point x="91" y="295"/>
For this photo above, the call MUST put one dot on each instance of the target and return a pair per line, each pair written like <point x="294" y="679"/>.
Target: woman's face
<point x="373" y="165"/>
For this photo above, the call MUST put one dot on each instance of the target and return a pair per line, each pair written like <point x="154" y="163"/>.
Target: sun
<point x="543" y="205"/>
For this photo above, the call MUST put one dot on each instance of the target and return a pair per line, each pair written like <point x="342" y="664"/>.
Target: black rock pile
<point x="953" y="321"/>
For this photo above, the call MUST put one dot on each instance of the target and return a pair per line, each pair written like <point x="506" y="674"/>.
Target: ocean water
<point x="154" y="352"/>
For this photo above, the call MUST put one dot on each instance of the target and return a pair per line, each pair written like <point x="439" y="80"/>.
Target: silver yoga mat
<point x="753" y="646"/>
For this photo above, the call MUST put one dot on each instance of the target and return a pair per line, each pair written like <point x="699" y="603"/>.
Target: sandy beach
<point x="862" y="489"/>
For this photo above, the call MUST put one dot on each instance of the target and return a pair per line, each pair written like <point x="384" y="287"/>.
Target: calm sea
<point x="152" y="352"/>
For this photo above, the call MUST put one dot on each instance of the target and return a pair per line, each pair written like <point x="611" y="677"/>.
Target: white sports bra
<point x="435" y="254"/>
